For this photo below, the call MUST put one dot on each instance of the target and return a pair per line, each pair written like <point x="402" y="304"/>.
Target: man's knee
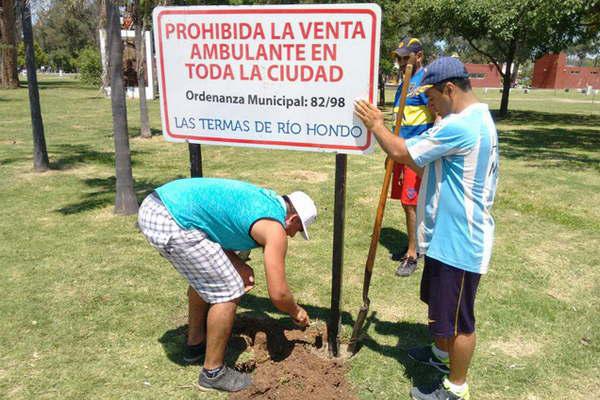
<point x="410" y="209"/>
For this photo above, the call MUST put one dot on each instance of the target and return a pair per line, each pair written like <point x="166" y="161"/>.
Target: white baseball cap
<point x="305" y="208"/>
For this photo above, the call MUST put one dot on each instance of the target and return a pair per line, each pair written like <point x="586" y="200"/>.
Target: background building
<point x="484" y="75"/>
<point x="552" y="72"/>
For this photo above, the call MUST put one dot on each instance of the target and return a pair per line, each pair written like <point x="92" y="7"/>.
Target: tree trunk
<point x="381" y="89"/>
<point x="125" y="201"/>
<point x="105" y="77"/>
<point x="507" y="81"/>
<point x="40" y="154"/>
<point x="514" y="75"/>
<point x="9" y="77"/>
<point x="105" y="59"/>
<point x="140" y="47"/>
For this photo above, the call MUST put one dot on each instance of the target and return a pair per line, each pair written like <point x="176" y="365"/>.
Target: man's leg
<point x="441" y="343"/>
<point x="410" y="191"/>
<point x="408" y="263"/>
<point x="411" y="229"/>
<point x="197" y="312"/>
<point x="219" y="324"/>
<point x="461" y="349"/>
<point x="450" y="294"/>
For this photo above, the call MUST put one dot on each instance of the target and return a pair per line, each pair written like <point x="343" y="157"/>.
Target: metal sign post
<point x="195" y="160"/>
<point x="337" y="261"/>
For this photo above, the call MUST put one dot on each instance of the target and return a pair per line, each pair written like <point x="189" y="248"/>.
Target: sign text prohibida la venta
<point x="281" y="77"/>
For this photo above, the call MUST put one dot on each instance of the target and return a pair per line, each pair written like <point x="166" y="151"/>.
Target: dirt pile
<point x="287" y="363"/>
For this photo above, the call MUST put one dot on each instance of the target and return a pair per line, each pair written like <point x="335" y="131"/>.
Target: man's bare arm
<point x="272" y="236"/>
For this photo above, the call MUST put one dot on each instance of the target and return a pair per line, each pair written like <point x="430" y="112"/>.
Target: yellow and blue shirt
<point x="417" y="117"/>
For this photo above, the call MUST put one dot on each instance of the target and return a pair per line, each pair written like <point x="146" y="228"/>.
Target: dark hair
<point x="463" y="84"/>
<point x="289" y="205"/>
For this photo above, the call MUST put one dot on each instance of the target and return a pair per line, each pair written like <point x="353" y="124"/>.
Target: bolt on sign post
<point x="280" y="77"/>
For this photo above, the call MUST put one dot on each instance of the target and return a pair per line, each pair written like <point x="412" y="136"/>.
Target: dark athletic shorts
<point x="450" y="294"/>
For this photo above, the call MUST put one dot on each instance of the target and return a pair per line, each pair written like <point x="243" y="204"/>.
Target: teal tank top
<point x="224" y="209"/>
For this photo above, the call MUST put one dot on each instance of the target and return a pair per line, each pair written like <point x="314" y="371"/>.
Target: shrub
<point x="90" y="66"/>
<point x="61" y="59"/>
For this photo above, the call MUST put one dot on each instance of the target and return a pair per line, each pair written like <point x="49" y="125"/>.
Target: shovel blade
<point x="358" y="325"/>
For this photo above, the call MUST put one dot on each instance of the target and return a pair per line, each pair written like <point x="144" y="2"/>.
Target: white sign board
<point x="281" y="77"/>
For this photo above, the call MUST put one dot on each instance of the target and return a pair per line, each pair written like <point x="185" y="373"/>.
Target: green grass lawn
<point x="90" y="311"/>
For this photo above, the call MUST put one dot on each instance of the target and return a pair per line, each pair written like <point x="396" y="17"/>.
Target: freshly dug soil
<point x="287" y="363"/>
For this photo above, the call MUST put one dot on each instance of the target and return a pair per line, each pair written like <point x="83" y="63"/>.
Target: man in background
<point x="416" y="119"/>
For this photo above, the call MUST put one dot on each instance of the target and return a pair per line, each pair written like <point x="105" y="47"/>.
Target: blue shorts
<point x="450" y="294"/>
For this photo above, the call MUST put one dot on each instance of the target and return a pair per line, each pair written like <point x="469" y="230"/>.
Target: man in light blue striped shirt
<point x="458" y="162"/>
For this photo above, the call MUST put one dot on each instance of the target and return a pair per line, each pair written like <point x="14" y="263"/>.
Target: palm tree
<point x="139" y="20"/>
<point x="9" y="78"/>
<point x="40" y="154"/>
<point x="194" y="148"/>
<point x="125" y="201"/>
<point x="102" y="32"/>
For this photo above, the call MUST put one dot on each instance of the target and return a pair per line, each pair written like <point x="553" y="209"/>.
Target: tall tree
<point x="40" y="154"/>
<point x="140" y="15"/>
<point x="104" y="39"/>
<point x="394" y="27"/>
<point x="506" y="32"/>
<point x="125" y="201"/>
<point x="9" y="78"/>
<point x="64" y="28"/>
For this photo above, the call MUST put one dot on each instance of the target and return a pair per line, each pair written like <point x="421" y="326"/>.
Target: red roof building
<point x="484" y="75"/>
<point x="552" y="72"/>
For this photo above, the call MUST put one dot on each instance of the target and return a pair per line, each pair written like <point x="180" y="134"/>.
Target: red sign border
<point x="268" y="11"/>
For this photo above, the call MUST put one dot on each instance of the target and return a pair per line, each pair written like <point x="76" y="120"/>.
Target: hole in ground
<point x="287" y="362"/>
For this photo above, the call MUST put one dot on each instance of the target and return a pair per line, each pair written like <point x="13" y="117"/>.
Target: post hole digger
<point x="389" y="165"/>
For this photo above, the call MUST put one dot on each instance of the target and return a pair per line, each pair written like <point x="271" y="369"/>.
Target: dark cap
<point x="406" y="46"/>
<point x="443" y="69"/>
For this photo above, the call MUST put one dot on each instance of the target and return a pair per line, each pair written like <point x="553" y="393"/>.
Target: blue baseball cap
<point x="406" y="46"/>
<point x="443" y="69"/>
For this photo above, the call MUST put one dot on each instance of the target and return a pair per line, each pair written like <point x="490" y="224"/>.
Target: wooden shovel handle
<point x="389" y="166"/>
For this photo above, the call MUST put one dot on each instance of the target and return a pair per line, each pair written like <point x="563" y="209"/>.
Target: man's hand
<point x="370" y="115"/>
<point x="245" y="271"/>
<point x="301" y="317"/>
<point x="247" y="274"/>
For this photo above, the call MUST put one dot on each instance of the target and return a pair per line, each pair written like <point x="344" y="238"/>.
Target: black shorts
<point x="450" y="294"/>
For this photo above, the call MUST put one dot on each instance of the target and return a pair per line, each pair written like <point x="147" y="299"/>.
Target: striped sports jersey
<point x="417" y="117"/>
<point x="460" y="160"/>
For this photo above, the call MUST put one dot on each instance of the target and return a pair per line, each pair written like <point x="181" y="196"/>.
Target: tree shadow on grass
<point x="394" y="241"/>
<point x="409" y="335"/>
<point x="136" y="132"/>
<point x="103" y="194"/>
<point x="55" y="84"/>
<point x="538" y="118"/>
<point x="8" y="161"/>
<point x="66" y="156"/>
<point x="248" y="323"/>
<point x="558" y="148"/>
